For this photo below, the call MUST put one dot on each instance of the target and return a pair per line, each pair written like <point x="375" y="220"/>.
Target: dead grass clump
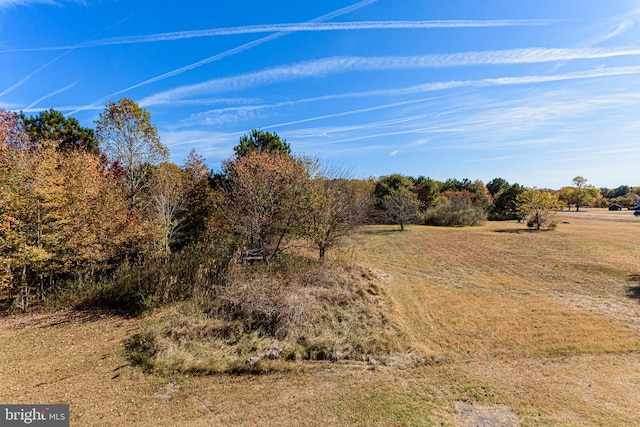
<point x="312" y="311"/>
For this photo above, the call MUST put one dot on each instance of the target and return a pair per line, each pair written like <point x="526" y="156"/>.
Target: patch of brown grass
<point x="476" y="299"/>
<point x="311" y="311"/>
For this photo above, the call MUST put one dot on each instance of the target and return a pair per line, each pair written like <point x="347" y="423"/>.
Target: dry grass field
<point x="517" y="328"/>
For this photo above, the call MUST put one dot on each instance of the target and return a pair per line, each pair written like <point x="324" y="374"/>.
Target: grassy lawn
<point x="518" y="328"/>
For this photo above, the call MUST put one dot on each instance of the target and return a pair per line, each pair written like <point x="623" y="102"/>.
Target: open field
<point x="518" y="328"/>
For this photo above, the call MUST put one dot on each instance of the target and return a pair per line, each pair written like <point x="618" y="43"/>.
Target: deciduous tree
<point x="538" y="207"/>
<point x="199" y="204"/>
<point x="337" y="207"/>
<point x="12" y="131"/>
<point x="97" y="227"/>
<point x="168" y="195"/>
<point x="125" y="134"/>
<point x="566" y="196"/>
<point x="584" y="194"/>
<point x="265" y="194"/>
<point x="62" y="214"/>
<point x="456" y="208"/>
<point x="401" y="206"/>
<point x="384" y="185"/>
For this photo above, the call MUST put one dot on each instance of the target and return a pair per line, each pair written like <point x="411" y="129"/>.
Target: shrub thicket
<point x="455" y="211"/>
<point x="197" y="272"/>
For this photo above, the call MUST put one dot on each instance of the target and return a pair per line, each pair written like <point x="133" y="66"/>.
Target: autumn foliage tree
<point x="63" y="214"/>
<point x="12" y="130"/>
<point x="538" y="207"/>
<point x="97" y="227"/>
<point x="199" y="202"/>
<point x="265" y="195"/>
<point x="63" y="217"/>
<point x="584" y="194"/>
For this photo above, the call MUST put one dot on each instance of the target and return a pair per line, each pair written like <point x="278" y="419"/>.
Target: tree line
<point x="78" y="203"/>
<point x="81" y="205"/>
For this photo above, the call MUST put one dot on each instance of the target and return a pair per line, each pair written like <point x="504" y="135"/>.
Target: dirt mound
<point x="315" y="312"/>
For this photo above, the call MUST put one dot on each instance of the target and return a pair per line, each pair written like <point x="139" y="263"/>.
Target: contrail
<point x="71" y="49"/>
<point x="298" y="27"/>
<point x="54" y="93"/>
<point x="234" y="51"/>
<point x="5" y="4"/>
<point x="417" y="89"/>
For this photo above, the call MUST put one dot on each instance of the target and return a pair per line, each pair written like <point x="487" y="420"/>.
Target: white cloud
<point x="234" y="114"/>
<point x="560" y="119"/>
<point x="623" y="27"/>
<point x="64" y="108"/>
<point x="42" y="67"/>
<point x="393" y="153"/>
<point x="616" y="26"/>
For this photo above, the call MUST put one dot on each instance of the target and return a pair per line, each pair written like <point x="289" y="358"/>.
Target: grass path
<point x="518" y="328"/>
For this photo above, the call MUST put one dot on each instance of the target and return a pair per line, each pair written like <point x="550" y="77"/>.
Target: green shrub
<point x="455" y="212"/>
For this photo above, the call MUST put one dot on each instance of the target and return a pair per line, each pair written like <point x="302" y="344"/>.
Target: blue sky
<point x="533" y="92"/>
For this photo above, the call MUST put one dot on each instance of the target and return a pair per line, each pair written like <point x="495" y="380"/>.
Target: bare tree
<point x="167" y="198"/>
<point x="401" y="206"/>
<point x="337" y="207"/>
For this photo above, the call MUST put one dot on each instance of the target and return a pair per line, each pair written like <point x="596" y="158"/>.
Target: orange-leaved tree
<point x="98" y="226"/>
<point x="62" y="214"/>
